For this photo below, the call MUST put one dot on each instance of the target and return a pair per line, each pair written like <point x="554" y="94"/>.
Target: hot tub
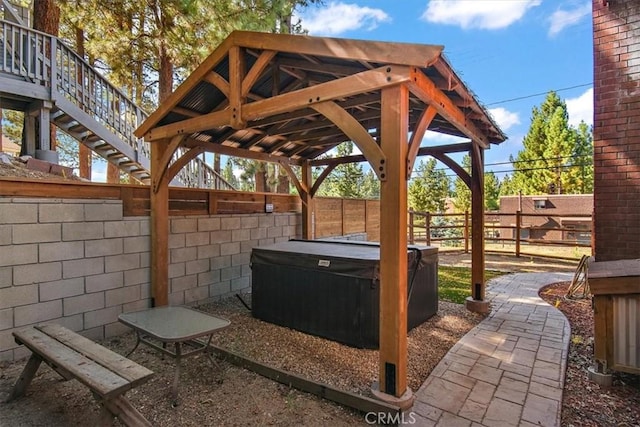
<point x="331" y="288"/>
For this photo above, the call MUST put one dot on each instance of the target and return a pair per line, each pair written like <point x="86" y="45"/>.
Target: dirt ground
<point x="225" y="395"/>
<point x="585" y="403"/>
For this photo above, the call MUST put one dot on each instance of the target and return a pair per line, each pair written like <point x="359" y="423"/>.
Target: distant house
<point x="564" y="217"/>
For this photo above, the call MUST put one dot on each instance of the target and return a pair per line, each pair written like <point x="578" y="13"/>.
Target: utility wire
<point x="540" y="159"/>
<point x="504" y="101"/>
<point x="551" y="168"/>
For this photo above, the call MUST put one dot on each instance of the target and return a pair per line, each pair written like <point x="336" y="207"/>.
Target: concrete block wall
<point x="80" y="263"/>
<point x="616" y="130"/>
<point x="209" y="255"/>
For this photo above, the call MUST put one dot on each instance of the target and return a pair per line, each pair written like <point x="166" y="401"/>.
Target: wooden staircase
<point x="37" y="68"/>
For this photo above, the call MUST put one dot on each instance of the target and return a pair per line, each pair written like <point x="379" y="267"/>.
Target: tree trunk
<point x="46" y="18"/>
<point x="283" y="184"/>
<point x="216" y="162"/>
<point x="261" y="181"/>
<point x="165" y="75"/>
<point x="84" y="152"/>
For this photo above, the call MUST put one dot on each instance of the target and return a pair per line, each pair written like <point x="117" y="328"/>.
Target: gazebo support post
<point x="307" y="202"/>
<point x="477" y="302"/>
<point x="159" y="228"/>
<point x="392" y="384"/>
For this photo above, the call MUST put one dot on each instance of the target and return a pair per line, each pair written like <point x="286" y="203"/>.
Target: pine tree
<point x="370" y="186"/>
<point x="581" y="163"/>
<point x="491" y="192"/>
<point x="507" y="187"/>
<point x="429" y="189"/>
<point x="462" y="193"/>
<point x="554" y="153"/>
<point x="229" y="176"/>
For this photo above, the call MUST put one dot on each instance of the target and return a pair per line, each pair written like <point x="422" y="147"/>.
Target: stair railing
<point x="26" y="53"/>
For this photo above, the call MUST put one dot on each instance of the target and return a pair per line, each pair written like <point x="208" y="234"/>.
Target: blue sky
<point x="502" y="49"/>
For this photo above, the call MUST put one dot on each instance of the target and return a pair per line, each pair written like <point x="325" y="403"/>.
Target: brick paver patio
<point x="509" y="370"/>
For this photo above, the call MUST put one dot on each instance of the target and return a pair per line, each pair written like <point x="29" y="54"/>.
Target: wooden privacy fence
<point x="136" y="202"/>
<point x="342" y="217"/>
<point x="517" y="230"/>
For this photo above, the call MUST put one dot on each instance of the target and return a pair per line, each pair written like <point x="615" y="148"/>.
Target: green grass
<point x="454" y="283"/>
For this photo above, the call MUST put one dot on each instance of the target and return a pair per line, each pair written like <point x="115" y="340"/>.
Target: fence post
<point x="466" y="232"/>
<point x="518" y="233"/>
<point x="411" y="239"/>
<point x="427" y="227"/>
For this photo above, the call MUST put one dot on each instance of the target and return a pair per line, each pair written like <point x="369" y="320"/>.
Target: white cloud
<point x="338" y="18"/>
<point x="504" y="117"/>
<point x="561" y="19"/>
<point x="581" y="108"/>
<point x="483" y="14"/>
<point x="441" y="138"/>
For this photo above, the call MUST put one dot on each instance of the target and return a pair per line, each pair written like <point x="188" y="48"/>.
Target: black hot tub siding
<point x="331" y="289"/>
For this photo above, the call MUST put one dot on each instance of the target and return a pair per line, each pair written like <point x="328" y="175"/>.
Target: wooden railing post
<point x="466" y="232"/>
<point x="427" y="227"/>
<point x="53" y="64"/>
<point x="518" y="233"/>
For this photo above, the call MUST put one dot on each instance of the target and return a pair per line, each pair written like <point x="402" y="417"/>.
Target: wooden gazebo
<point x="289" y="99"/>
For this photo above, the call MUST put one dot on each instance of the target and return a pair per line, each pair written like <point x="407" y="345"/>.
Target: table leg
<point x="176" y="377"/>
<point x="135" y="346"/>
<point x="212" y="358"/>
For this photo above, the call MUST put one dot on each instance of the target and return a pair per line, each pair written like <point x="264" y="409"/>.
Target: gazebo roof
<point x="273" y="111"/>
<point x="290" y="99"/>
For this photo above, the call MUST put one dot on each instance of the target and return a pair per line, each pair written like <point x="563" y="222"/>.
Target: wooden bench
<point x="107" y="374"/>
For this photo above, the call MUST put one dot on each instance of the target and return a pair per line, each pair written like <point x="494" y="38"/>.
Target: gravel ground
<point x="229" y="396"/>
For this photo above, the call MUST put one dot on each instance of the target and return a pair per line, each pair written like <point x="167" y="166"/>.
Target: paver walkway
<point x="507" y="371"/>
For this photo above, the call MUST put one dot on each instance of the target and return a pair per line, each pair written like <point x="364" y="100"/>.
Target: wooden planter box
<point x="615" y="286"/>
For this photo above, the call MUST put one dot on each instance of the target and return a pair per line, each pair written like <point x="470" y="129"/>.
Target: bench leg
<point x="25" y="378"/>
<point x="126" y="413"/>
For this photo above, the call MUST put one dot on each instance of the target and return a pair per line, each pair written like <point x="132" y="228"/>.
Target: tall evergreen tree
<point x="507" y="187"/>
<point x="491" y="192"/>
<point x="370" y="186"/>
<point x="429" y="189"/>
<point x="581" y="163"/>
<point x="346" y="179"/>
<point x="462" y="193"/>
<point x="229" y="176"/>
<point x="553" y="153"/>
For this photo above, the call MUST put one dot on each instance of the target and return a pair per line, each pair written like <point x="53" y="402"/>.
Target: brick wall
<point x="80" y="263"/>
<point x="616" y="32"/>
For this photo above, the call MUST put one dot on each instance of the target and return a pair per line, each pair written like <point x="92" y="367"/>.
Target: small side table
<point x="177" y="325"/>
